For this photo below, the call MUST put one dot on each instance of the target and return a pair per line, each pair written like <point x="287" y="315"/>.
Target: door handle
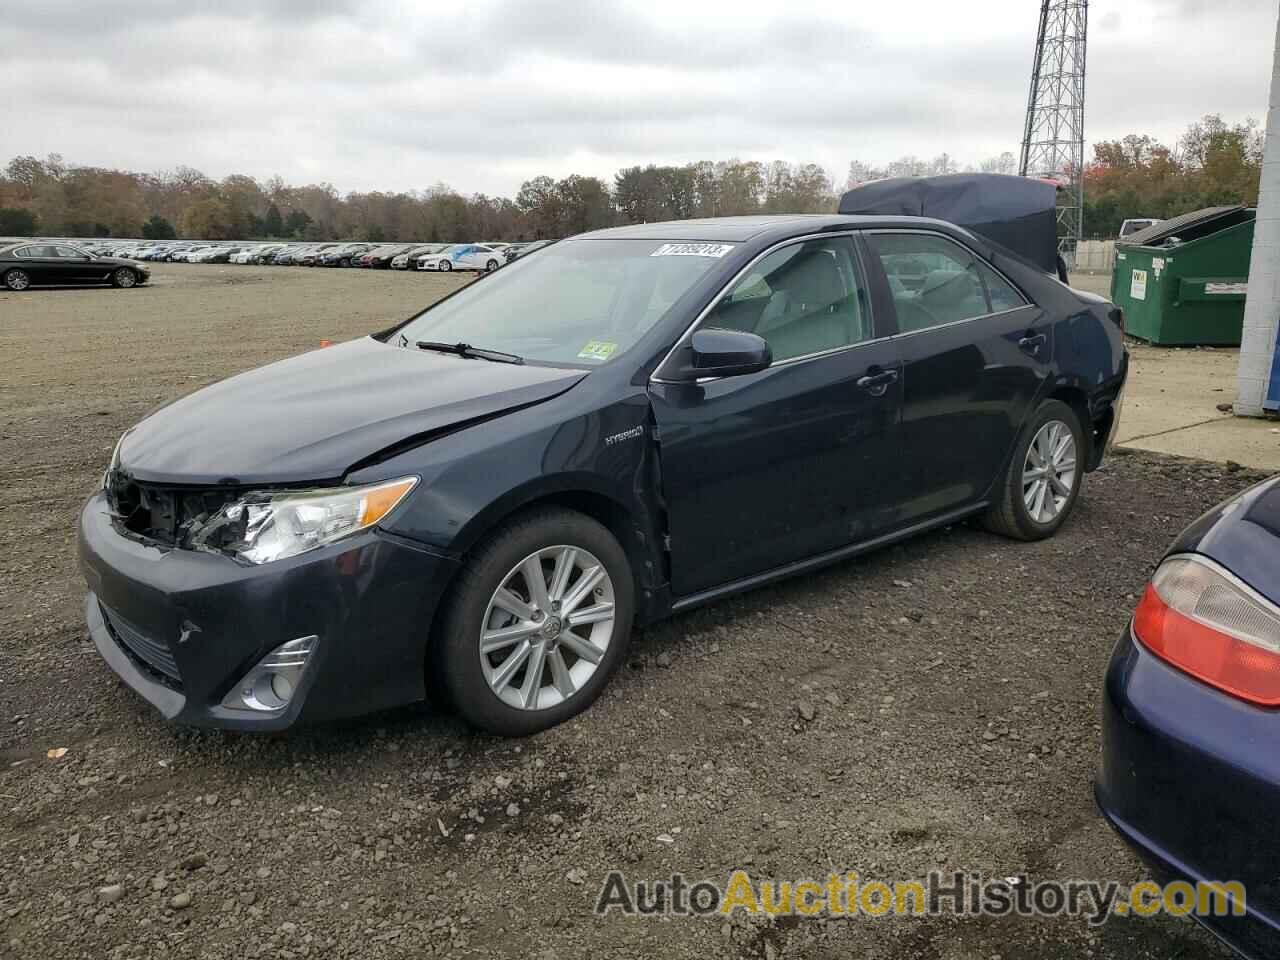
<point x="877" y="380"/>
<point x="1032" y="342"/>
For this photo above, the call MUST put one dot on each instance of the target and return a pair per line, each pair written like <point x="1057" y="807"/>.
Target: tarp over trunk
<point x="1016" y="212"/>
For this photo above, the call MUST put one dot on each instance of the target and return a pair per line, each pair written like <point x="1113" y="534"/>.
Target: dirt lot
<point x="934" y="705"/>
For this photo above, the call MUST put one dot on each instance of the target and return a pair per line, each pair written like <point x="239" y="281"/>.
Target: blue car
<point x="1190" y="773"/>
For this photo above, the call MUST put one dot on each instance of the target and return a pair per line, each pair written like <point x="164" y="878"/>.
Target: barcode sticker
<point x="715" y="250"/>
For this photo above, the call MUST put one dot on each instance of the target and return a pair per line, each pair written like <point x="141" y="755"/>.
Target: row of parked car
<point x="441" y="257"/>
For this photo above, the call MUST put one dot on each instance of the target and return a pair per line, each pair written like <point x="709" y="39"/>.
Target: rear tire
<point x="124" y="278"/>
<point x="574" y="660"/>
<point x="17" y="280"/>
<point x="1041" y="485"/>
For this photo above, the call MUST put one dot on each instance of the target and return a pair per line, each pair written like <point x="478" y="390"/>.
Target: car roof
<point x="742" y="229"/>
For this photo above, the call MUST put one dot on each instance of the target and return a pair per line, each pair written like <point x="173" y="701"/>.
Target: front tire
<point x="1042" y="483"/>
<point x="17" y="280"/>
<point x="536" y="623"/>
<point x="446" y="265"/>
<point x="492" y="265"/>
<point x="124" y="278"/>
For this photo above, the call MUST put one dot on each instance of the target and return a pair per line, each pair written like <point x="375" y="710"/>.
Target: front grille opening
<point x="164" y="514"/>
<point x="153" y="656"/>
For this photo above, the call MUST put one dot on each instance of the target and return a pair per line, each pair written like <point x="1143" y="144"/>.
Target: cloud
<point x="484" y="94"/>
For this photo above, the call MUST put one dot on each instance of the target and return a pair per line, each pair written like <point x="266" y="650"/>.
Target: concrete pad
<point x="1171" y="388"/>
<point x="1171" y="401"/>
<point x="1247" y="441"/>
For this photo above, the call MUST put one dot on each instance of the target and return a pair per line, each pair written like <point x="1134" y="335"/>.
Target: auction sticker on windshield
<point x="597" y="350"/>
<point x="692" y="250"/>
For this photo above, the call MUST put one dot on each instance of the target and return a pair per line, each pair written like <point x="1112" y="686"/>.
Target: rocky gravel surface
<point x="931" y="706"/>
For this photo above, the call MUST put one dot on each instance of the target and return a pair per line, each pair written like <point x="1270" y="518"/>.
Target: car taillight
<point x="1202" y="619"/>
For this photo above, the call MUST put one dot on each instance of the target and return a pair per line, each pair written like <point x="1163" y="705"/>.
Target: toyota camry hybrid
<point x="479" y="503"/>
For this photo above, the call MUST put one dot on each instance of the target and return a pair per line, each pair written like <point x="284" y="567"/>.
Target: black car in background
<point x="342" y="255"/>
<point x="314" y="255"/>
<point x="517" y="250"/>
<point x="38" y="263"/>
<point x="483" y="500"/>
<point x="289" y="256"/>
<point x="379" y="258"/>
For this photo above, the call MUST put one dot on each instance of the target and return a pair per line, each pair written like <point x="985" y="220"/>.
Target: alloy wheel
<point x="125" y="278"/>
<point x="17" y="280"/>
<point x="1049" y="472"/>
<point x="547" y="627"/>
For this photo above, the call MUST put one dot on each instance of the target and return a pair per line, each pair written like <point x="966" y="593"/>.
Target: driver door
<point x="769" y="468"/>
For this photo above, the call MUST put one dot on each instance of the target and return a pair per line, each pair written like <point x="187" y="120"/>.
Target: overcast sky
<point x="483" y="94"/>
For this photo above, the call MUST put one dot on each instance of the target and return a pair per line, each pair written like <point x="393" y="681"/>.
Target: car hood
<point x="312" y="417"/>
<point x="119" y="262"/>
<point x="1242" y="534"/>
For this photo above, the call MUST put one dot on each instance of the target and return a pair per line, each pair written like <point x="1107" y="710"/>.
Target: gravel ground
<point x="932" y="706"/>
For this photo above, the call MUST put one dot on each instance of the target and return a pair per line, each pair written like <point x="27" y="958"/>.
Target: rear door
<point x="40" y="260"/>
<point x="78" y="267"/>
<point x="975" y="354"/>
<point x="773" y="467"/>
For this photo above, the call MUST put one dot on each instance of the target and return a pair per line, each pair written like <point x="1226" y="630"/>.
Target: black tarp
<point x="1016" y="212"/>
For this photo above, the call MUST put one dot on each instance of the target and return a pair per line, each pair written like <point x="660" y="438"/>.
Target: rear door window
<point x="1000" y="292"/>
<point x="936" y="281"/>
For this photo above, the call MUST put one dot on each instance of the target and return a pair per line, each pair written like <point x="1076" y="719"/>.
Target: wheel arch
<point x="1075" y="397"/>
<point x="632" y="526"/>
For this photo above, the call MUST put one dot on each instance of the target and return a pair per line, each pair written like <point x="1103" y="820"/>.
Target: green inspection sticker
<point x="598" y="350"/>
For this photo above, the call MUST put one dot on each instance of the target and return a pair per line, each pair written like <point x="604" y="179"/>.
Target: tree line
<point x="55" y="198"/>
<point x="1213" y="162"/>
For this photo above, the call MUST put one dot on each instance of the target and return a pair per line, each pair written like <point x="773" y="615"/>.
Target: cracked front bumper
<point x="182" y="627"/>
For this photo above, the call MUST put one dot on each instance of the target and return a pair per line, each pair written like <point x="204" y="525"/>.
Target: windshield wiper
<point x="467" y="350"/>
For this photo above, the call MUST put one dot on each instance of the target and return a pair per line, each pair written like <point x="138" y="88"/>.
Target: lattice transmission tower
<point x="1053" y="142"/>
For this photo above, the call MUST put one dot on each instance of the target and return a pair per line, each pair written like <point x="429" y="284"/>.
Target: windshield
<point x="580" y="301"/>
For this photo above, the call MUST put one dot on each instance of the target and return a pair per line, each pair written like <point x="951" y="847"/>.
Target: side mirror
<point x="726" y="353"/>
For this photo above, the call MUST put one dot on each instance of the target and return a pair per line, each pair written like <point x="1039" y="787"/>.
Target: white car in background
<point x="407" y="260"/>
<point x="1134" y="224"/>
<point x="204" y="256"/>
<point x="248" y="254"/>
<point x="464" y="256"/>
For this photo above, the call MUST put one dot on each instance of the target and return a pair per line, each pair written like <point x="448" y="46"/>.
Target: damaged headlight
<point x="274" y="524"/>
<point x="114" y="465"/>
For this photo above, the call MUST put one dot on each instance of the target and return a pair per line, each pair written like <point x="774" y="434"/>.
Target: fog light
<point x="270" y="685"/>
<point x="281" y="686"/>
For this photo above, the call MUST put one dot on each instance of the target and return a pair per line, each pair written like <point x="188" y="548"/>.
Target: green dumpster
<point x="1183" y="281"/>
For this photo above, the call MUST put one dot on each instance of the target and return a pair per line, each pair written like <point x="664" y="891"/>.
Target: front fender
<point x="603" y="462"/>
